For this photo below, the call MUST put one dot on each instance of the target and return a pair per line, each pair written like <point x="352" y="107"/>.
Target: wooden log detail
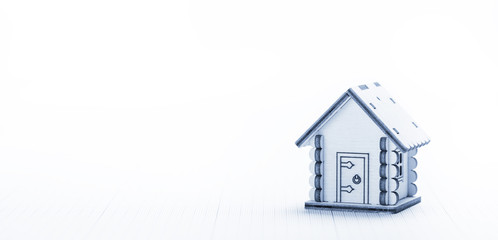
<point x="316" y="154"/>
<point x="316" y="169"/>
<point x="383" y="144"/>
<point x="389" y="158"/>
<point x="412" y="189"/>
<point x="412" y="174"/>
<point x="319" y="155"/>
<point x="316" y="195"/>
<point x="312" y="154"/>
<point x="393" y="184"/>
<point x="318" y="142"/>
<point x="312" y="168"/>
<point x="413" y="152"/>
<point x="383" y="157"/>
<point x="383" y="198"/>
<point x="383" y="170"/>
<point x="394" y="157"/>
<point x="412" y="163"/>
<point x="388" y="171"/>
<point x="390" y="198"/>
<point x="386" y="145"/>
<point x="316" y="181"/>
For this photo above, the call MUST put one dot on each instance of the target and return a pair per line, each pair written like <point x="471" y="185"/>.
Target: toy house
<point x="363" y="150"/>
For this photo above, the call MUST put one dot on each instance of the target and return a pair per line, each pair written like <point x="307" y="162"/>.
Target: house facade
<point x="362" y="154"/>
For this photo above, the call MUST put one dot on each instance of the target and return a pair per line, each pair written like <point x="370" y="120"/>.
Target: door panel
<point x="352" y="177"/>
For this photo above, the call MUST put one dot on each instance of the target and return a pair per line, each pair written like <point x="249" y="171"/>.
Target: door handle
<point x="347" y="189"/>
<point x="347" y="164"/>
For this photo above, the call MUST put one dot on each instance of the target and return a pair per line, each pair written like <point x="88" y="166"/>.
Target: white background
<point x="177" y="119"/>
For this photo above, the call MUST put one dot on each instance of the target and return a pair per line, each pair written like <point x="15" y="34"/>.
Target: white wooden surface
<point x="262" y="199"/>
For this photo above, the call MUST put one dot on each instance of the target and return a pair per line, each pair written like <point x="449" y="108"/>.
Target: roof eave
<point x="323" y="118"/>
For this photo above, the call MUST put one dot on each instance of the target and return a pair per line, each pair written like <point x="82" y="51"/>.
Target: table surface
<point x="246" y="200"/>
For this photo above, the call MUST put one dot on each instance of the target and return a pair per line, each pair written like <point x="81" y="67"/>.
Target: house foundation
<point x="354" y="207"/>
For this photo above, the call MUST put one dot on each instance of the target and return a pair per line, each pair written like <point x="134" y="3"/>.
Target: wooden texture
<point x="143" y="208"/>
<point x="247" y="200"/>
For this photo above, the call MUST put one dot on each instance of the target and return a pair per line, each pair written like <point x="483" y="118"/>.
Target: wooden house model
<point x="363" y="150"/>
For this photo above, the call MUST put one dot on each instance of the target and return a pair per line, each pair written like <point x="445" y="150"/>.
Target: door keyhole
<point x="356" y="179"/>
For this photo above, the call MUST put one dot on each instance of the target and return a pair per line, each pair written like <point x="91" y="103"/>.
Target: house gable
<point x="383" y="110"/>
<point x="351" y="128"/>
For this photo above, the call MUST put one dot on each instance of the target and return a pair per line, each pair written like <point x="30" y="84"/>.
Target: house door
<point x="352" y="177"/>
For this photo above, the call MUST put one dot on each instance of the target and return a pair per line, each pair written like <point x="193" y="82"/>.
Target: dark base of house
<point x="400" y="206"/>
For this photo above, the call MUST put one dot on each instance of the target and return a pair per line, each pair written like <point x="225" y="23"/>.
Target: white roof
<point x="389" y="115"/>
<point x="384" y="111"/>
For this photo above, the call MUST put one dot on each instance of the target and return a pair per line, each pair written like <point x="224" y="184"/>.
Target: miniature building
<point x="363" y="153"/>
